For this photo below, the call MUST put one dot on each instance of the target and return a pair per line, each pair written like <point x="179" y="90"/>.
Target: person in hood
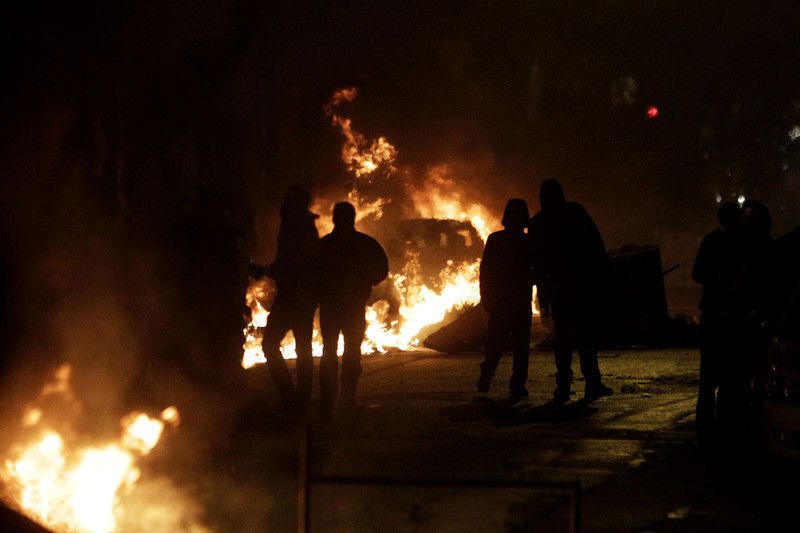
<point x="570" y="268"/>
<point x="506" y="286"/>
<point x="351" y="263"/>
<point x="293" y="309"/>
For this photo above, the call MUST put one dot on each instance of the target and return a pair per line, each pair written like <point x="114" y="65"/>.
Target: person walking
<point x="505" y="285"/>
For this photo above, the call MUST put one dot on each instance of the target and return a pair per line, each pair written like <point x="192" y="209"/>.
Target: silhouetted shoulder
<point x="576" y="211"/>
<point x="376" y="262"/>
<point x="368" y="240"/>
<point x="575" y="207"/>
<point x="493" y="237"/>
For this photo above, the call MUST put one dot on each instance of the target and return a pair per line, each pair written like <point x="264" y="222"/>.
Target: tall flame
<point x="361" y="156"/>
<point x="420" y="305"/>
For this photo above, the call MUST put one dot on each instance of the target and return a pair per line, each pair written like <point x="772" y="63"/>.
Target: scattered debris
<point x="629" y="388"/>
<point x="467" y="333"/>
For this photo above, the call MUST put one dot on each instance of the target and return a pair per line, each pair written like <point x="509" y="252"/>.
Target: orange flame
<point x="440" y="198"/>
<point x="361" y="156"/>
<point x="77" y="488"/>
<point x="420" y="305"/>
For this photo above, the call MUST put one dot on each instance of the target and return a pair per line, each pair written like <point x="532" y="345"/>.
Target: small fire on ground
<point x="56" y="478"/>
<point x="417" y="301"/>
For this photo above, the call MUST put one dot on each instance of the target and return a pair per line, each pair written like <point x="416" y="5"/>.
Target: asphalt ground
<point x="237" y="456"/>
<point x="633" y="454"/>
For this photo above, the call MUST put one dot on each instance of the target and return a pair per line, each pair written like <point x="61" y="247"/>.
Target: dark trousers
<point x="298" y="316"/>
<point x="501" y="326"/>
<point x="574" y="328"/>
<point x="728" y="350"/>
<point x="715" y="345"/>
<point x="350" y="322"/>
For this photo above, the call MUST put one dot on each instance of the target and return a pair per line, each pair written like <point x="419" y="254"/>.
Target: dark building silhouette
<point x="350" y="264"/>
<point x="570" y="268"/>
<point x="506" y="285"/>
<point x="294" y="271"/>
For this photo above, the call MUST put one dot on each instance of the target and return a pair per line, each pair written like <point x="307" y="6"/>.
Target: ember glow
<point x="55" y="477"/>
<point x="422" y="302"/>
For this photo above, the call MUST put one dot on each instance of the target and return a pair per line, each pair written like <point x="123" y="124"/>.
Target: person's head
<point x="756" y="218"/>
<point x="295" y="202"/>
<point x="344" y="216"/>
<point x="516" y="215"/>
<point x="551" y="195"/>
<point x="728" y="215"/>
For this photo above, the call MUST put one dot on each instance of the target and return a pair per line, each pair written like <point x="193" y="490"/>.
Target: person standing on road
<point x="754" y="298"/>
<point x="505" y="284"/>
<point x="570" y="269"/>
<point x="350" y="264"/>
<point x="294" y="305"/>
<point x="714" y="270"/>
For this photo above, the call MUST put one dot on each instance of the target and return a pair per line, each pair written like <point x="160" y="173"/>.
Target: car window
<point x="789" y="326"/>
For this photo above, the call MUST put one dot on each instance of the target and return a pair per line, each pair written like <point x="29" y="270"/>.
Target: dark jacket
<point x="294" y="269"/>
<point x="715" y="269"/>
<point x="788" y="249"/>
<point x="568" y="254"/>
<point x="505" y="275"/>
<point x="350" y="263"/>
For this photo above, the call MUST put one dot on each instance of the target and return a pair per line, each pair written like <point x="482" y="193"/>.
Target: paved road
<point x="633" y="454"/>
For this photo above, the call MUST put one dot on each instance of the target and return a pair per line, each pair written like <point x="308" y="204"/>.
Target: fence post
<point x="303" y="487"/>
<point x="575" y="508"/>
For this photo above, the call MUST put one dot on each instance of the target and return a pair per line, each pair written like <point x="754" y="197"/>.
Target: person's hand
<point x="257" y="271"/>
<point x="547" y="319"/>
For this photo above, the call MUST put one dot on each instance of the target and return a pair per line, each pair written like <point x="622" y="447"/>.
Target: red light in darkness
<point x="652" y="112"/>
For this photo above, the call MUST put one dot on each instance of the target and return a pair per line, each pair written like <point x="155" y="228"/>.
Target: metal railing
<point x="306" y="480"/>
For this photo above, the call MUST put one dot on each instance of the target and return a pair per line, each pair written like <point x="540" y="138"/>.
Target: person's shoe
<point x="350" y="409"/>
<point x="598" y="391"/>
<point x="561" y="395"/>
<point x="484" y="381"/>
<point x="516" y="395"/>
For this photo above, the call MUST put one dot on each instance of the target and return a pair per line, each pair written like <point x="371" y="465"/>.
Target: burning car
<point x="434" y="250"/>
<point x="436" y="243"/>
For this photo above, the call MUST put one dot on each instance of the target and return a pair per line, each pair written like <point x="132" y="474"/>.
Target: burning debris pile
<point x="434" y="252"/>
<point x="56" y="477"/>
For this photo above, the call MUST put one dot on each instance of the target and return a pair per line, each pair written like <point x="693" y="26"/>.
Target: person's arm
<point x="259" y="271"/>
<point x="536" y="256"/>
<point x="594" y="242"/>
<point x="488" y="274"/>
<point x="700" y="268"/>
<point x="379" y="263"/>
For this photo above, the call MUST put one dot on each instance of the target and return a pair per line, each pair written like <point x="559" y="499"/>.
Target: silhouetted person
<point x="754" y="298"/>
<point x="714" y="269"/>
<point x="570" y="268"/>
<point x="788" y="252"/>
<point x="505" y="280"/>
<point x="294" y="272"/>
<point x="351" y="263"/>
